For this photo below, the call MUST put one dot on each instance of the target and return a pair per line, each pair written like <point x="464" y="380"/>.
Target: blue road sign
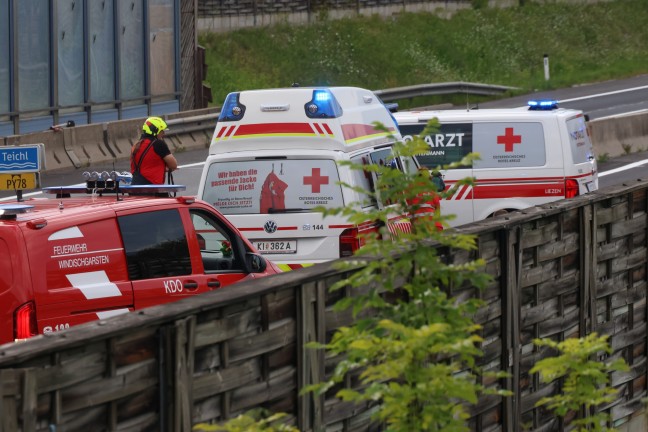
<point x="21" y="159"/>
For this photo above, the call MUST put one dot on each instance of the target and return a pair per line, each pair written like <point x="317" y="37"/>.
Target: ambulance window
<point x="579" y="140"/>
<point x="273" y="186"/>
<point x="364" y="179"/>
<point x="6" y="267"/>
<point x="509" y="145"/>
<point x="216" y="245"/>
<point x="155" y="244"/>
<point x="451" y="143"/>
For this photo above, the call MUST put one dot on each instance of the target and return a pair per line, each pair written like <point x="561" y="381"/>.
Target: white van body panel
<point x="275" y="153"/>
<point x="526" y="157"/>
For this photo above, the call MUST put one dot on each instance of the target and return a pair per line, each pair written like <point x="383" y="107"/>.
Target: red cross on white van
<point x="508" y="139"/>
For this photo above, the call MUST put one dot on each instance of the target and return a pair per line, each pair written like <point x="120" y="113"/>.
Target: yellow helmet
<point x="153" y="126"/>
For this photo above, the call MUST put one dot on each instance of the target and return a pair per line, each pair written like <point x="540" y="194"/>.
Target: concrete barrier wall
<point x="615" y="136"/>
<point x="88" y="145"/>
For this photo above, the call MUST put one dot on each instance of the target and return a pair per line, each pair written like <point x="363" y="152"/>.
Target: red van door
<point x="165" y="262"/>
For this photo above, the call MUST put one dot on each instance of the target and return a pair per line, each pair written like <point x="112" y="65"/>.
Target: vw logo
<point x="270" y="227"/>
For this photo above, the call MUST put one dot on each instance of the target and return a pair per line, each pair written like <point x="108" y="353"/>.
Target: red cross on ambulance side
<point x="508" y="139"/>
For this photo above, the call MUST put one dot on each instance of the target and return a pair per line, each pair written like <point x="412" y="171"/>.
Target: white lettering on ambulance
<point x="445" y="140"/>
<point x="70" y="249"/>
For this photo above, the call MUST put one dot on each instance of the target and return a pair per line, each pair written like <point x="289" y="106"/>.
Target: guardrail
<point x="432" y="89"/>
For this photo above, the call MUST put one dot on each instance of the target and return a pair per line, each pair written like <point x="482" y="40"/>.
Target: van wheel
<point x="499" y="212"/>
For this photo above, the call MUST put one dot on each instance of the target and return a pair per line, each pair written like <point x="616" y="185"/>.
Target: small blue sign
<point x="20" y="159"/>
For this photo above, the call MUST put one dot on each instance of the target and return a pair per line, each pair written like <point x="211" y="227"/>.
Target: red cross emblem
<point x="316" y="180"/>
<point x="508" y="139"/>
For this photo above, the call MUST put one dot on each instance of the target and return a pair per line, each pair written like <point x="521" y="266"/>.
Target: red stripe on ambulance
<point x="274" y="128"/>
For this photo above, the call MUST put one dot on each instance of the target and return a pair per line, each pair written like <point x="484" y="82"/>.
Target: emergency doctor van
<point x="276" y="155"/>
<point x="528" y="156"/>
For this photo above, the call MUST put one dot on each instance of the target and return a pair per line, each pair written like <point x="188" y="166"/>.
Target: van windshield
<point x="273" y="186"/>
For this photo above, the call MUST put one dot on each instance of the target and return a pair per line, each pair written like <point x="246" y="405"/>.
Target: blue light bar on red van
<point x="232" y="109"/>
<point x="543" y="104"/>
<point x="323" y="105"/>
<point x="10" y="210"/>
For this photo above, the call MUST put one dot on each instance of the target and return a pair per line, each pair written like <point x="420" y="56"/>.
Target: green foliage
<point x="603" y="157"/>
<point x="413" y="346"/>
<point x="586" y="378"/>
<point x="254" y="421"/>
<point x="584" y="41"/>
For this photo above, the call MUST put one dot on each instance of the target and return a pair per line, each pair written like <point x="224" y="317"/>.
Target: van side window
<point x="216" y="245"/>
<point x="155" y="244"/>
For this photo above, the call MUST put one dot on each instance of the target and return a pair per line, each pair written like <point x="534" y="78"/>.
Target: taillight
<point x="571" y="188"/>
<point x="349" y="242"/>
<point x="25" y="321"/>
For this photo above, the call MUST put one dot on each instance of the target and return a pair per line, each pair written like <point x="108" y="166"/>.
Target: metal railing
<point x="432" y="89"/>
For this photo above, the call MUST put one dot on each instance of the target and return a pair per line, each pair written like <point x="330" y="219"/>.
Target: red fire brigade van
<point x="70" y="260"/>
<point x="528" y="156"/>
<point x="279" y="154"/>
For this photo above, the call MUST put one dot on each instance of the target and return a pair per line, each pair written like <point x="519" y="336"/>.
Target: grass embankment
<point x="584" y="42"/>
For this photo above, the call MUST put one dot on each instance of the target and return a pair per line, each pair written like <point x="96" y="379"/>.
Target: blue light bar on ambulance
<point x="543" y="104"/>
<point x="232" y="110"/>
<point x="323" y="105"/>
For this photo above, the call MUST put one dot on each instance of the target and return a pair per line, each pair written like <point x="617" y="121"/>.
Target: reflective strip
<point x="67" y="233"/>
<point x="288" y="267"/>
<point x="111" y="313"/>
<point x="400" y="227"/>
<point x="94" y="285"/>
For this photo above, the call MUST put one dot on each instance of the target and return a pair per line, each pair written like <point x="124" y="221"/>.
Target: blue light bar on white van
<point x="543" y="104"/>
<point x="323" y="105"/>
<point x="232" y="109"/>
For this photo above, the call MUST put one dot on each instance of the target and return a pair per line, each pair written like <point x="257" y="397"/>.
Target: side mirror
<point x="255" y="263"/>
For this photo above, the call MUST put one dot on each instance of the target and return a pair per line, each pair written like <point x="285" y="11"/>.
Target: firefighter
<point x="150" y="167"/>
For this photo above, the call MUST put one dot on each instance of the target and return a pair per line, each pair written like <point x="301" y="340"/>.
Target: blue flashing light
<point x="323" y="105"/>
<point x="543" y="104"/>
<point x="232" y="110"/>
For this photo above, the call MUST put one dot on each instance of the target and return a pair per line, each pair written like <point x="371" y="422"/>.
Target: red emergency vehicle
<point x="74" y="259"/>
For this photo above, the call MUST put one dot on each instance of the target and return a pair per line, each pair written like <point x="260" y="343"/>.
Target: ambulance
<point x="93" y="252"/>
<point x="276" y="155"/>
<point x="528" y="156"/>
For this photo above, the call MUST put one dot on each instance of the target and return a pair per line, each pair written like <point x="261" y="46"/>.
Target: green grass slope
<point x="585" y="43"/>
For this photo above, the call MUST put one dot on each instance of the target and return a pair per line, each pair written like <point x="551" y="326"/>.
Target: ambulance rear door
<point x="580" y="163"/>
<point x="272" y="200"/>
<point x="451" y="143"/>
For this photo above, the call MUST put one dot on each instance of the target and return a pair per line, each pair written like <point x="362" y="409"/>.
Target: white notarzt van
<point x="275" y="156"/>
<point x="529" y="156"/>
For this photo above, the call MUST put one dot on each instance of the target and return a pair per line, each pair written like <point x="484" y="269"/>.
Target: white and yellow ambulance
<point x="276" y="155"/>
<point x="528" y="156"/>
